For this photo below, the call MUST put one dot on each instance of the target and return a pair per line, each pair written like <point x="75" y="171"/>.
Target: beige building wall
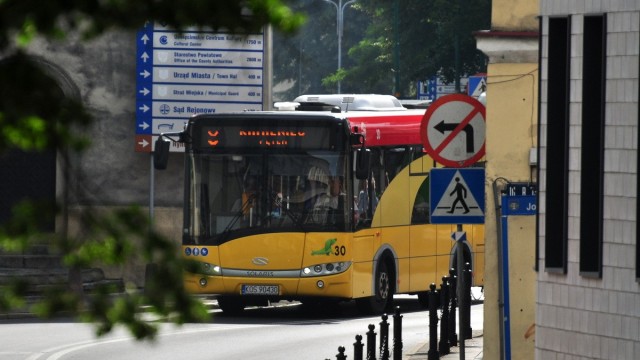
<point x="511" y="134"/>
<point x="511" y="138"/>
<point x="508" y="15"/>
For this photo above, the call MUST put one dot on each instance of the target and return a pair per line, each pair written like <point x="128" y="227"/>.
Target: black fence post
<point x="453" y="291"/>
<point x="357" y="348"/>
<point x="341" y="355"/>
<point x="466" y="292"/>
<point x="444" y="321"/>
<point x="397" y="335"/>
<point x="384" y="338"/>
<point x="371" y="343"/>
<point x="432" y="354"/>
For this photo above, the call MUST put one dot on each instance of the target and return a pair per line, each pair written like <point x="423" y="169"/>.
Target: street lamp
<point x="339" y="27"/>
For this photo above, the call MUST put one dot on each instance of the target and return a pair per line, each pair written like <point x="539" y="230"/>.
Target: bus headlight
<point x="204" y="268"/>
<point x="325" y="269"/>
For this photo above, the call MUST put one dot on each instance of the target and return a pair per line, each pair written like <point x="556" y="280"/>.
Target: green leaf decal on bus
<point x="326" y="250"/>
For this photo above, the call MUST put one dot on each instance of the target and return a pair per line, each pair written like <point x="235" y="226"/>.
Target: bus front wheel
<point x="383" y="292"/>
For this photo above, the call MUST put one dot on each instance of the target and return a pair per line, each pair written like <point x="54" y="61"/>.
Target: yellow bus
<point x="329" y="201"/>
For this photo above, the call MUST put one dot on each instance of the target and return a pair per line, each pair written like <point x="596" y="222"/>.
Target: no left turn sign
<point x="453" y="130"/>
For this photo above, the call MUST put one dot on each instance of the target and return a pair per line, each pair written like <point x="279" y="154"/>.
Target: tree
<point x="303" y="59"/>
<point x="427" y="33"/>
<point x="36" y="116"/>
<point x="408" y="40"/>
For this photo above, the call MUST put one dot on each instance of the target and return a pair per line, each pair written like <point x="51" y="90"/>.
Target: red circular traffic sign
<point x="453" y="130"/>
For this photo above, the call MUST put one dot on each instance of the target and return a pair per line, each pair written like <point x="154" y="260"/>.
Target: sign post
<point x="453" y="133"/>
<point x="461" y="300"/>
<point x="518" y="199"/>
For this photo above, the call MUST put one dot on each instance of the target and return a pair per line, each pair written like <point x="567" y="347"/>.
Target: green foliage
<point x="417" y="42"/>
<point x="36" y="115"/>
<point x="34" y="112"/>
<point x="93" y="17"/>
<point x="109" y="238"/>
<point x="308" y="56"/>
<point x="382" y="42"/>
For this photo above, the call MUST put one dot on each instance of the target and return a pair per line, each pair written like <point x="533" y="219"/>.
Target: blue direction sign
<point x="193" y="72"/>
<point x="435" y="88"/>
<point x="457" y="195"/>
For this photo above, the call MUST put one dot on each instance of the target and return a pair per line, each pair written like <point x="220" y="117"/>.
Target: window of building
<point x="557" y="176"/>
<point x="592" y="149"/>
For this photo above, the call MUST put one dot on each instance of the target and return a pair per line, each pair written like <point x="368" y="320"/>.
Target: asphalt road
<point x="282" y="332"/>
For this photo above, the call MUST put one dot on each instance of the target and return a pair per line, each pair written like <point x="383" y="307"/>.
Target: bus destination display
<point x="255" y="137"/>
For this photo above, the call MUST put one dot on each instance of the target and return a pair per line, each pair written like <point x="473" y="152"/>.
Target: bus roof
<point x="388" y="128"/>
<point x="381" y="118"/>
<point x="351" y="102"/>
<point x="381" y="128"/>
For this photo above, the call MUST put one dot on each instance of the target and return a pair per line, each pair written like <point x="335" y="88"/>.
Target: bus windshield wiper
<point x="297" y="221"/>
<point x="243" y="209"/>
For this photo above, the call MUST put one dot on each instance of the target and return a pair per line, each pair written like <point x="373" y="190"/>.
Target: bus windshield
<point x="230" y="195"/>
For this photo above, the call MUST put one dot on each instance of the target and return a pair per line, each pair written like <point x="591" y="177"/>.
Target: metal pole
<point x="443" y="345"/>
<point x="461" y="300"/>
<point x="432" y="354"/>
<point x="397" y="335"/>
<point x="151" y="188"/>
<point x="267" y="66"/>
<point x="340" y="29"/>
<point x="500" y="240"/>
<point x="396" y="48"/>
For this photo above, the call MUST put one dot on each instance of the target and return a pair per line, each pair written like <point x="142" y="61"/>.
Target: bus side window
<point x="420" y="213"/>
<point x="396" y="159"/>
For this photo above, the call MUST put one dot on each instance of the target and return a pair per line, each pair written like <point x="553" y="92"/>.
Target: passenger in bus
<point x="248" y="200"/>
<point x="363" y="198"/>
<point x="330" y="199"/>
<point x="336" y="192"/>
<point x="356" y="211"/>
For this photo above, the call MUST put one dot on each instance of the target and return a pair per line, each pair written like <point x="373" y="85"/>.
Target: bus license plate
<point x="260" y="290"/>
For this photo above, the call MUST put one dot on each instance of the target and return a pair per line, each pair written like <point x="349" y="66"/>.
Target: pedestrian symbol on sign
<point x="457" y="199"/>
<point x="460" y="193"/>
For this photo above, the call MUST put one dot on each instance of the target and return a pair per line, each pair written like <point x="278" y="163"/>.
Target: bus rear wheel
<point x="231" y="304"/>
<point x="383" y="292"/>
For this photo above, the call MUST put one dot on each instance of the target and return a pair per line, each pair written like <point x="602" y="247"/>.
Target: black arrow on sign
<point x="468" y="130"/>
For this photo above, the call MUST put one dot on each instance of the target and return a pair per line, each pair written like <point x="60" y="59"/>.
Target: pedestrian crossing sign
<point x="457" y="195"/>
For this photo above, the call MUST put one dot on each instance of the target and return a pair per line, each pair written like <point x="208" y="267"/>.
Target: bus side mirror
<point x="357" y="139"/>
<point x="363" y="157"/>
<point x="161" y="153"/>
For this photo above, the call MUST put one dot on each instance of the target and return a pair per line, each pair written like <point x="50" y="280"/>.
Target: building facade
<point x="110" y="174"/>
<point x="588" y="294"/>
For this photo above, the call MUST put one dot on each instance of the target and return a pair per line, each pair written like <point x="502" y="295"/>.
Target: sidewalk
<point x="472" y="349"/>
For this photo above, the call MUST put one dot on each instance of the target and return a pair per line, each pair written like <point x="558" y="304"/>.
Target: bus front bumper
<point x="334" y="286"/>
